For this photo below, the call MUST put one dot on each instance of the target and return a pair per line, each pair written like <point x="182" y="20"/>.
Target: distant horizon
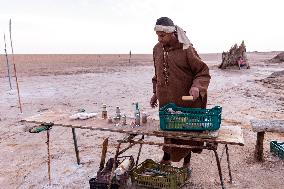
<point x="126" y="53"/>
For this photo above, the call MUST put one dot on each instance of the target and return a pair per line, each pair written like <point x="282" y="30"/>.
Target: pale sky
<point x="117" y="26"/>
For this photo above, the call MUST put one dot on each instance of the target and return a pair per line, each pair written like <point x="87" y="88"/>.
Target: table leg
<point x="139" y="152"/>
<point x="219" y="168"/>
<point x="229" y="164"/>
<point x="259" y="146"/>
<point x="76" y="146"/>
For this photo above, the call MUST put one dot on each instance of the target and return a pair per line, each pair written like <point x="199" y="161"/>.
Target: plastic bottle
<point x="122" y="168"/>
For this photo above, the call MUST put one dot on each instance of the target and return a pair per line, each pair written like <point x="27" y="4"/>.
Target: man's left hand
<point x="194" y="91"/>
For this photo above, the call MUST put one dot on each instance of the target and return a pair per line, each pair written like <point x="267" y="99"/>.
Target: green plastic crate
<point x="171" y="177"/>
<point x="277" y="149"/>
<point x="176" y="118"/>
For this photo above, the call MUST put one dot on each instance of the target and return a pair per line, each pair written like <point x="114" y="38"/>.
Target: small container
<point x="116" y="120"/>
<point x="118" y="115"/>
<point x="137" y="119"/>
<point x="104" y="111"/>
<point x="122" y="168"/>
<point x="109" y="120"/>
<point x="144" y="117"/>
<point x="123" y="119"/>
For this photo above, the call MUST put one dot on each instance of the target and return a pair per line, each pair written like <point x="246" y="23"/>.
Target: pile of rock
<point x="275" y="80"/>
<point x="278" y="58"/>
<point x="230" y="59"/>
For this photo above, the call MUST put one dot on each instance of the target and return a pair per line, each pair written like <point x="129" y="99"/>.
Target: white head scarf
<point x="182" y="38"/>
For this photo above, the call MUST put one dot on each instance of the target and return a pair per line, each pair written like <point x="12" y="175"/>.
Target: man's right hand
<point x="154" y="101"/>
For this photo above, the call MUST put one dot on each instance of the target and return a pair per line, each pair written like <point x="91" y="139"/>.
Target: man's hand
<point x="194" y="91"/>
<point x="153" y="101"/>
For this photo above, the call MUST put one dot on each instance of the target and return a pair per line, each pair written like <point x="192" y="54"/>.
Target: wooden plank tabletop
<point x="268" y="126"/>
<point x="226" y="135"/>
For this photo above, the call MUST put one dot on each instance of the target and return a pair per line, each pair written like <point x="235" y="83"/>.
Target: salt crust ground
<point x="69" y="82"/>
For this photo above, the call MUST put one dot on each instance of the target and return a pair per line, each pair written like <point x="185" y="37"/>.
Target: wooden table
<point x="228" y="135"/>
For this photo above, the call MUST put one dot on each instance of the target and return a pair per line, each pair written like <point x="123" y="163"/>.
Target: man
<point x="179" y="71"/>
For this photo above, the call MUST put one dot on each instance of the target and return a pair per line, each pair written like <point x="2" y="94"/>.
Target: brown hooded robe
<point x="176" y="71"/>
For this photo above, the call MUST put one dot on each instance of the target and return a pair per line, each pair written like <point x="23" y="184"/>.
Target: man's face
<point x="164" y="38"/>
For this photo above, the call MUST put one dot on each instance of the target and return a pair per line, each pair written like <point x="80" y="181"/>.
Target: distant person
<point x="242" y="63"/>
<point x="244" y="56"/>
<point x="179" y="71"/>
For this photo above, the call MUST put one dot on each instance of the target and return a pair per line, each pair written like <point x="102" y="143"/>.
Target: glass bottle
<point x="104" y="111"/>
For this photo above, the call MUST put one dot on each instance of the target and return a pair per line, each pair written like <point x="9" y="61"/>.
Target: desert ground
<point x="67" y="83"/>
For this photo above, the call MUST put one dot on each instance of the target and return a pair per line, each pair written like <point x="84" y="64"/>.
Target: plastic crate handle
<point x="187" y="98"/>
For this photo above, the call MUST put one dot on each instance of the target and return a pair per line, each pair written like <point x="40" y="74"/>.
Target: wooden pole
<point x="11" y="42"/>
<point x="139" y="151"/>
<point x="7" y="61"/>
<point x="103" y="156"/>
<point x="76" y="146"/>
<point x="18" y="90"/>
<point x="15" y="71"/>
<point x="48" y="157"/>
<point x="129" y="56"/>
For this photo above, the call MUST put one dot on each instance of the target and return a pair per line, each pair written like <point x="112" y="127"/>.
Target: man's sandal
<point x="189" y="169"/>
<point x="189" y="172"/>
